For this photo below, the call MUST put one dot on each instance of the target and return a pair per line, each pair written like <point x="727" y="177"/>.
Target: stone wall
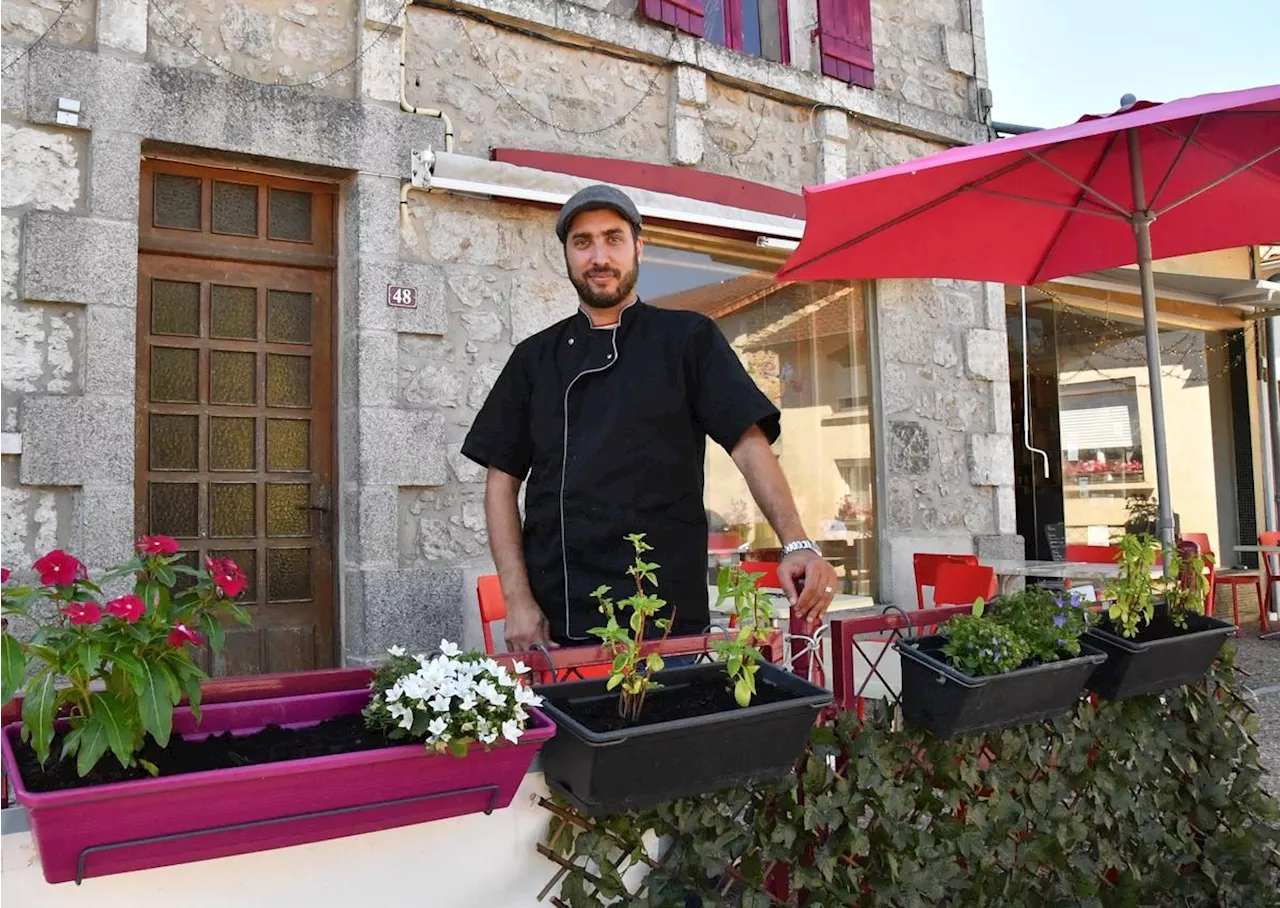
<point x="23" y="21"/>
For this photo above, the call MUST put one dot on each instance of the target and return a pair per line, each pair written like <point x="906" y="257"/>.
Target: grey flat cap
<point x="593" y="198"/>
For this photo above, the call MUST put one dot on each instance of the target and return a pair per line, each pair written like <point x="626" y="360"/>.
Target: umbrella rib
<point x="906" y="216"/>
<point x="1222" y="179"/>
<point x="1187" y="142"/>
<point x="1057" y="206"/>
<point x="1062" y="227"/>
<point x="1120" y="209"/>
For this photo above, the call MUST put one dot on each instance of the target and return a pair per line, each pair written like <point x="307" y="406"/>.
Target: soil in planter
<point x="343" y="734"/>
<point x="700" y="696"/>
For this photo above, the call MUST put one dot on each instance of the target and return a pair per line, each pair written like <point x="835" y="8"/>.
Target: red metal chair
<point x="1232" y="578"/>
<point x="1272" y="565"/>
<point x="1093" y="554"/>
<point x="963" y="584"/>
<point x="768" y="568"/>
<point x="926" y="569"/>
<point x="493" y="607"/>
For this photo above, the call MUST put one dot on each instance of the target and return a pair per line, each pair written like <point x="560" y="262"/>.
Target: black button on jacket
<point x="610" y="426"/>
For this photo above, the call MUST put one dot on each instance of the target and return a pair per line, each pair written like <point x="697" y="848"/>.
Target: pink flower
<point x="83" y="612"/>
<point x="157" y="545"/>
<point x="4" y="575"/>
<point x="60" y="569"/>
<point x="227" y="576"/>
<point x="127" y="608"/>
<point x="182" y="634"/>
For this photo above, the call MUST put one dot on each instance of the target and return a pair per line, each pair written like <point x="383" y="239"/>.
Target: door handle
<point x="326" y="521"/>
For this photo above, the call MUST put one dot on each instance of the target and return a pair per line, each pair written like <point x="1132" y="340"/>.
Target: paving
<point x="1261" y="660"/>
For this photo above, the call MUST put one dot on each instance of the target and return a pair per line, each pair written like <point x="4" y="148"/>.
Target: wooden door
<point x="234" y="432"/>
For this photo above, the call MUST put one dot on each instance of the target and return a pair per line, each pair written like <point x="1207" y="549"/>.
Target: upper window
<point x="756" y="27"/>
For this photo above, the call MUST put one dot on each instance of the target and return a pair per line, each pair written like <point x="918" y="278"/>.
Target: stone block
<point x="995" y="312"/>
<point x="69" y="259"/>
<point x="986" y="354"/>
<point x="412" y="607"/>
<point x="373" y="215"/>
<point x="377" y="274"/>
<point x="462" y="468"/>
<point x="108" y="373"/>
<point x="115" y="164"/>
<point x="376" y="356"/>
<point x="957" y="49"/>
<point x="991" y="460"/>
<point x="376" y="519"/>
<point x="380" y="65"/>
<point x="908" y="448"/>
<point x="1006" y="510"/>
<point x="74" y="441"/>
<point x="689" y="86"/>
<point x="41" y="167"/>
<point x="539" y="304"/>
<point x="686" y="138"/>
<point x="401" y="447"/>
<point x="103" y="533"/>
<point x="122" y="25"/>
<point x="383" y="12"/>
<point x="13" y="84"/>
<point x="1009" y="547"/>
<point x="11" y="252"/>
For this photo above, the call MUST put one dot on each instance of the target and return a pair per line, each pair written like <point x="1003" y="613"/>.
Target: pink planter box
<point x="136" y="825"/>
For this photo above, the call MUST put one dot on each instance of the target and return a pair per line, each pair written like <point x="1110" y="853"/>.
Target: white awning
<point x="1096" y="427"/>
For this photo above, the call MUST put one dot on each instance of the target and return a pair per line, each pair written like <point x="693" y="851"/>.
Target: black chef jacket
<point x="610" y="425"/>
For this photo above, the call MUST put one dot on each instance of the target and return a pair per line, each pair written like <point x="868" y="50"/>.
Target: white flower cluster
<point x="455" y="698"/>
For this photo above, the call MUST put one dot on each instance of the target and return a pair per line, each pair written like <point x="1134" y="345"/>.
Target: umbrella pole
<point x="1141" y="220"/>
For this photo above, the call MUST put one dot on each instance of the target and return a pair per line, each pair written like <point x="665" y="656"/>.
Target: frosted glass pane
<point x="288" y="380"/>
<point x="288" y="444"/>
<point x="288" y="574"/>
<point x="288" y="317"/>
<point x="231" y="378"/>
<point x="233" y="312"/>
<point x="289" y="215"/>
<point x="235" y="208"/>
<point x="174" y="508"/>
<point x="175" y="375"/>
<point x="175" y="442"/>
<point x="175" y="308"/>
<point x="231" y="443"/>
<point x="232" y="510"/>
<point x="177" y="202"/>
<point x="287" y="513"/>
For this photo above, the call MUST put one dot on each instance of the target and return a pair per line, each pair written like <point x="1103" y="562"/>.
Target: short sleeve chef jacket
<point x="610" y="426"/>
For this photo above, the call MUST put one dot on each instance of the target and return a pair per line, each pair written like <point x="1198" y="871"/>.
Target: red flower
<point x="60" y="569"/>
<point x="83" y="612"/>
<point x="157" y="545"/>
<point x="4" y="575"/>
<point x="182" y="634"/>
<point x="127" y="608"/>
<point x="227" y="576"/>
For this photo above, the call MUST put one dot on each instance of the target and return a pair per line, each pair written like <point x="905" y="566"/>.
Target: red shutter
<point x="844" y="38"/>
<point x="686" y="15"/>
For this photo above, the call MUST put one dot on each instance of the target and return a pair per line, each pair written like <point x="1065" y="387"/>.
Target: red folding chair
<point x="926" y="569"/>
<point x="1093" y="554"/>
<point x="963" y="584"/>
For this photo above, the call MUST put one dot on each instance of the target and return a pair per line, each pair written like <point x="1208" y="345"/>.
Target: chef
<point x="607" y="415"/>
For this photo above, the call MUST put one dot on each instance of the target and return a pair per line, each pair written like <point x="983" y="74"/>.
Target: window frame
<point x="733" y="30"/>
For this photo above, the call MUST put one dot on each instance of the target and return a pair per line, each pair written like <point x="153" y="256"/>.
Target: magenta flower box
<point x="136" y="825"/>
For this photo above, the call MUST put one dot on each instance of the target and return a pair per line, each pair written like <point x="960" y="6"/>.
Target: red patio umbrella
<point x="1150" y="181"/>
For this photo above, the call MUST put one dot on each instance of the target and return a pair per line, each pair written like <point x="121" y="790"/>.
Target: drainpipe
<point x="418" y="111"/>
<point x="1013" y="129"/>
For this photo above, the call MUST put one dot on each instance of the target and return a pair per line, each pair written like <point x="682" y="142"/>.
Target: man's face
<point x="603" y="258"/>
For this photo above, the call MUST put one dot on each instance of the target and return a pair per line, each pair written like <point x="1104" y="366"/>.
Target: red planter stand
<point x="137" y="825"/>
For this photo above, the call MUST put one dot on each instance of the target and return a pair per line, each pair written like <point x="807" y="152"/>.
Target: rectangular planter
<point x="951" y="704"/>
<point x="1137" y="667"/>
<point x="632" y="768"/>
<point x="135" y="825"/>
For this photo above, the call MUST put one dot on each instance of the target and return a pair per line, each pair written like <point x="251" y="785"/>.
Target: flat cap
<point x="594" y="198"/>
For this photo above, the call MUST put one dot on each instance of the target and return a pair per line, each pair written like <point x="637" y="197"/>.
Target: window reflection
<point x="806" y="347"/>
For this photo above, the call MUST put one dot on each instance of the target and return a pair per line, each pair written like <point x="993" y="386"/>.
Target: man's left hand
<point x="819" y="583"/>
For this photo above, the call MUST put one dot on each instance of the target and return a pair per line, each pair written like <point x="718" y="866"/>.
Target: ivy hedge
<point x="1153" y="801"/>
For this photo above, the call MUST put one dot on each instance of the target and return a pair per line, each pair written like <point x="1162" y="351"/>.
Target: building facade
<point x="238" y="310"/>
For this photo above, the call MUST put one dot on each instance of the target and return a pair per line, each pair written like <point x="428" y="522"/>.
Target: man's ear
<point x="639" y="250"/>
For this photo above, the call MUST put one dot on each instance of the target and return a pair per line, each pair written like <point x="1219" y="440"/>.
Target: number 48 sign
<point x="402" y="297"/>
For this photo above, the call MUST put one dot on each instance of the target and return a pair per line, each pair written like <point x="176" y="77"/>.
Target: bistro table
<point x="1264" y="550"/>
<point x="1008" y="572"/>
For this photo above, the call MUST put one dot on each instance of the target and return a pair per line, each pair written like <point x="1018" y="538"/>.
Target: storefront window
<point x="806" y="347"/>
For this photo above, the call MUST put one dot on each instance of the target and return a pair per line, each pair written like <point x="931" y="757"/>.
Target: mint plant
<point x="1135" y="593"/>
<point x="625" y="635"/>
<point x="753" y="608"/>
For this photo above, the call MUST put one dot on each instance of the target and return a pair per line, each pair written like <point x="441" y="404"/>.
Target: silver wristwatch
<point x="800" y="545"/>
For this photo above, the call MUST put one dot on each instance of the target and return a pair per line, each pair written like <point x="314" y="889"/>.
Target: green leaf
<point x="614" y="681"/>
<point x="241" y="614"/>
<point x="37" y="713"/>
<point x="742" y="692"/>
<point x="166" y="575"/>
<point x="13" y="666"/>
<point x="154" y="704"/>
<point x="93" y="746"/>
<point x="458" y="746"/>
<point x="213" y="630"/>
<point x="89" y="654"/>
<point x="111" y="715"/>
<point x="654" y="662"/>
<point x="150" y="767"/>
<point x="191" y="682"/>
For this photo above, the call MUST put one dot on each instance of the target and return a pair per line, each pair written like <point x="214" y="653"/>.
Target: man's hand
<point x="819" y="583"/>
<point x="526" y="626"/>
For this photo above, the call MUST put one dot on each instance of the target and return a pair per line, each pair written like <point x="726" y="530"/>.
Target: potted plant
<point x="1013" y="661"/>
<point x="649" y="734"/>
<point x="115" y="775"/>
<point x="1155" y="632"/>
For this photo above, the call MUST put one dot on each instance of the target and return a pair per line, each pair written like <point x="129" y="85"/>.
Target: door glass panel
<point x="175" y="508"/>
<point x="289" y="215"/>
<point x="186" y="581"/>
<point x="233" y="312"/>
<point x="231" y="378"/>
<point x="177" y="202"/>
<point x="175" y="308"/>
<point x="231" y="509"/>
<point x="288" y="317"/>
<point x="175" y="375"/>
<point x="231" y="443"/>
<point x="175" y="442"/>
<point x="288" y="380"/>
<point x="288" y="574"/>
<point x="247" y="561"/>
<point x="288" y="444"/>
<point x="235" y="208"/>
<point x="287" y="509"/>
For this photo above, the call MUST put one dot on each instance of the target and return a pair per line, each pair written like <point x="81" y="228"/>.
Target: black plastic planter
<point x="636" y="767"/>
<point x="1161" y="657"/>
<point x="951" y="704"/>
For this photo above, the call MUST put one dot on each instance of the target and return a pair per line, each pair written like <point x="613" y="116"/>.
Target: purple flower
<point x="1059" y="620"/>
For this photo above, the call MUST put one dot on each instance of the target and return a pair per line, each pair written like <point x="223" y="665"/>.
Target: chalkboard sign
<point x="1055" y="536"/>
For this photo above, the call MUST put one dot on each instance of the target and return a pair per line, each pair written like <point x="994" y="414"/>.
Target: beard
<point x="601" y="299"/>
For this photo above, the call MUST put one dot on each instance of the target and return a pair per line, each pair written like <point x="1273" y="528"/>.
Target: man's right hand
<point x="526" y="626"/>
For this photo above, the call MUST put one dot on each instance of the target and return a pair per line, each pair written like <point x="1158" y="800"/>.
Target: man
<point x="607" y="413"/>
